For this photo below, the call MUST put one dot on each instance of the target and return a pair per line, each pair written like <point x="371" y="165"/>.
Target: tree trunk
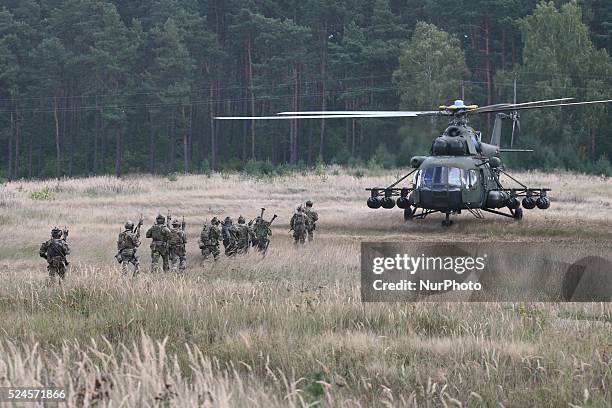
<point x="172" y="137"/>
<point x="30" y="147"/>
<point x="17" y="144"/>
<point x="185" y="143"/>
<point x="117" y="153"/>
<point x="251" y="95"/>
<point x="323" y="77"/>
<point x="58" y="157"/>
<point x="213" y="138"/>
<point x="151" y="143"/>
<point x="9" y="169"/>
<point x="97" y="121"/>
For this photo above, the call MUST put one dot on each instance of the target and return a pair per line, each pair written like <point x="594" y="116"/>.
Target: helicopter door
<point x="471" y="191"/>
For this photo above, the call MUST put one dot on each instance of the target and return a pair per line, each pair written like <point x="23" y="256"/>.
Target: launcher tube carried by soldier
<point x="273" y="218"/>
<point x="262" y="211"/>
<point x="140" y="222"/>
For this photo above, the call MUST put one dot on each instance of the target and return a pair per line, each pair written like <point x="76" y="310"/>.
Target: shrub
<point x="383" y="157"/>
<point x="602" y="166"/>
<point x="259" y="168"/>
<point x="43" y="195"/>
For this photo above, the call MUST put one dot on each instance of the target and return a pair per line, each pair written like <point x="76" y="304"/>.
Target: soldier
<point x="243" y="236"/>
<point x="213" y="240"/>
<point x="252" y="236"/>
<point x="229" y="236"/>
<point x="127" y="245"/>
<point x="299" y="225"/>
<point x="176" y="245"/>
<point x="55" y="251"/>
<point x="159" y="233"/>
<point x="204" y="242"/>
<point x="262" y="233"/>
<point x="313" y="217"/>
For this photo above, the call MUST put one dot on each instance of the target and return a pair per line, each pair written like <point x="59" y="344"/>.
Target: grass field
<point x="288" y="329"/>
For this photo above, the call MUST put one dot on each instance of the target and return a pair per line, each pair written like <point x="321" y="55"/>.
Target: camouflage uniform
<point x="212" y="246"/>
<point x="55" y="251"/>
<point x="299" y="224"/>
<point x="127" y="245"/>
<point x="204" y="242"/>
<point x="229" y="237"/>
<point x="242" y="235"/>
<point x="159" y="233"/>
<point x="176" y="246"/>
<point x="313" y="217"/>
<point x="262" y="233"/>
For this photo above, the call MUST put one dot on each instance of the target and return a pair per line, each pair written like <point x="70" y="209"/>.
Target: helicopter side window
<point x="473" y="178"/>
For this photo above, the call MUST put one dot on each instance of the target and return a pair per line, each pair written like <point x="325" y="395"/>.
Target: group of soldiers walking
<point x="236" y="238"/>
<point x="169" y="240"/>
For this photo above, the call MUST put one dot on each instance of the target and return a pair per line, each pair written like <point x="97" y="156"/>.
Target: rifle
<point x="64" y="237"/>
<point x="168" y="218"/>
<point x="183" y="223"/>
<point x="140" y="222"/>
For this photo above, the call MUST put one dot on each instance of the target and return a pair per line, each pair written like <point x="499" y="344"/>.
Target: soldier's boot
<point x="183" y="265"/>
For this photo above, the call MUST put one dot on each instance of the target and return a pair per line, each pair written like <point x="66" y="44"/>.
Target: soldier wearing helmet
<point x="55" y="251"/>
<point x="127" y="245"/>
<point x="213" y="236"/>
<point x="299" y="225"/>
<point x="176" y="246"/>
<point x="243" y="235"/>
<point x="159" y="233"/>
<point x="313" y="217"/>
<point x="229" y="236"/>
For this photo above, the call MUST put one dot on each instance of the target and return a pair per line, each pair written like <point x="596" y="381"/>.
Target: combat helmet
<point x="308" y="203"/>
<point x="241" y="220"/>
<point x="228" y="219"/>
<point x="56" y="233"/>
<point x="129" y="226"/>
<point x="214" y="221"/>
<point x="160" y="219"/>
<point x="176" y="223"/>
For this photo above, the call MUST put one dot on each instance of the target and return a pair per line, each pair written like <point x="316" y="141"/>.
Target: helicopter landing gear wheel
<point x="408" y="214"/>
<point x="518" y="214"/>
<point x="447" y="222"/>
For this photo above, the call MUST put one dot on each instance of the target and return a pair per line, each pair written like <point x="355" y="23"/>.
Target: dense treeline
<point x="109" y="86"/>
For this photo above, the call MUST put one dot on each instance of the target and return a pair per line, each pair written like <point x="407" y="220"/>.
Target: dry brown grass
<point x="288" y="329"/>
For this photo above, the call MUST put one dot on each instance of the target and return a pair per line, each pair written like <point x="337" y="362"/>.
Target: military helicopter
<point x="462" y="172"/>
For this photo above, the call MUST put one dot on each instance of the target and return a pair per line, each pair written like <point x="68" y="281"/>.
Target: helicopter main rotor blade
<point x="510" y="106"/>
<point x="308" y="115"/>
<point x="362" y="113"/>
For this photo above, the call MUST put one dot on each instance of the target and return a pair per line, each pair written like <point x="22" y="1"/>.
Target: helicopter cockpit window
<point x="440" y="176"/>
<point x="454" y="177"/>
